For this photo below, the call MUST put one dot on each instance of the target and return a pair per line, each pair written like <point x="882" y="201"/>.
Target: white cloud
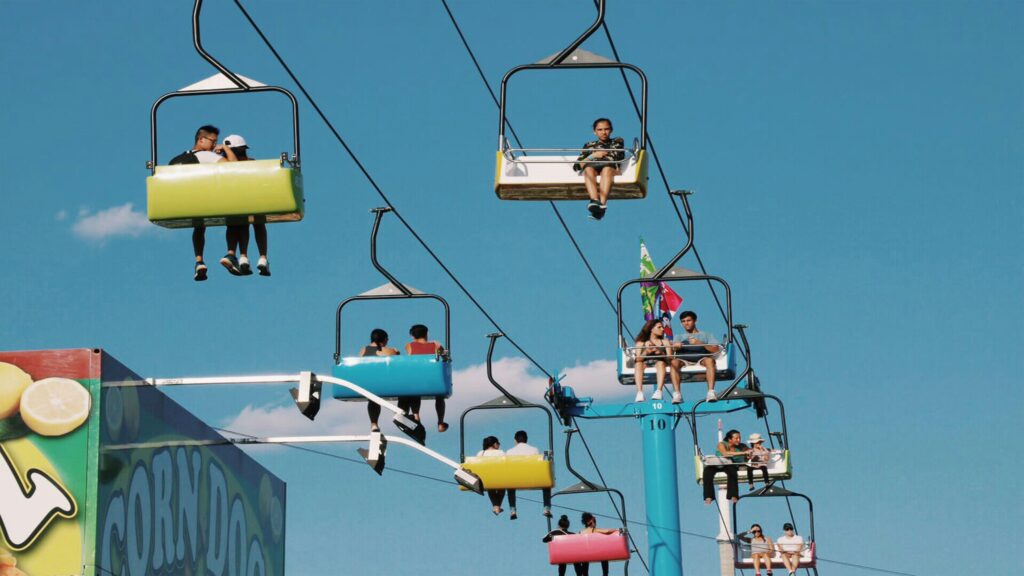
<point x="61" y="215"/>
<point x="116" y="221"/>
<point x="470" y="387"/>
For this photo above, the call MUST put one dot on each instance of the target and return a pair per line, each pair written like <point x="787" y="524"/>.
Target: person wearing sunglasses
<point x="492" y="447"/>
<point x="790" y="546"/>
<point x="761" y="548"/>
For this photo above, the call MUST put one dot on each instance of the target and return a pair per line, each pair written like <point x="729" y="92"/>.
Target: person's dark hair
<point x="599" y="120"/>
<point x="418" y="331"/>
<point x="379" y="337"/>
<point x="490" y="441"/>
<point x="563" y="522"/>
<point x="207" y="130"/>
<point x="586" y="517"/>
<point x="688" y="314"/>
<point x="521" y="436"/>
<point x="645" y="333"/>
<point x="758" y="526"/>
<point x="240" y="152"/>
<point x="730" y="434"/>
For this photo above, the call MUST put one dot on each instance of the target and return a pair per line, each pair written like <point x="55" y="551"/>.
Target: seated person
<point x="758" y="459"/>
<point x="563" y="530"/>
<point x="492" y="447"/>
<point x="590" y="527"/>
<point x="709" y="344"/>
<point x="651" y="345"/>
<point x="790" y="547"/>
<point x="600" y="158"/>
<point x="378" y="347"/>
<point x="238" y="235"/>
<point x="731" y="449"/>
<point x="420" y="345"/>
<point x="761" y="548"/>
<point x="523" y="449"/>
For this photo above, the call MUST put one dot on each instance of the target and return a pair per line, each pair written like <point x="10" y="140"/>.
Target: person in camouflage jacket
<point x="599" y="162"/>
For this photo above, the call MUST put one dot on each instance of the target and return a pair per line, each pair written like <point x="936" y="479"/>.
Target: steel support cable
<point x="661" y="171"/>
<point x="558" y="214"/>
<point x="381" y="193"/>
<point x="604" y="483"/>
<point x="534" y="500"/>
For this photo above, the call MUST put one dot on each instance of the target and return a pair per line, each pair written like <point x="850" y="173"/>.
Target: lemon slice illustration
<point x="55" y="406"/>
<point x="13" y="382"/>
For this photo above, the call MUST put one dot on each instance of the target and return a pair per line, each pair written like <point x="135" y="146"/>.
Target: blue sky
<point x="857" y="170"/>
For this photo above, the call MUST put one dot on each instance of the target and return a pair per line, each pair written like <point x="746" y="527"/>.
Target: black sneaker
<point x="263" y="266"/>
<point x="200" y="273"/>
<point x="244" y="268"/>
<point x="594" y="208"/>
<point x="600" y="212"/>
<point x="231" y="263"/>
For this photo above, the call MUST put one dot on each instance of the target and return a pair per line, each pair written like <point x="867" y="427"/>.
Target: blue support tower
<point x="661" y="490"/>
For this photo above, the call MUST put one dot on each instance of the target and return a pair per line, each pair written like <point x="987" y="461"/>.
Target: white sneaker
<point x="656" y="395"/>
<point x="711" y="397"/>
<point x="677" y="398"/>
<point x="639" y="397"/>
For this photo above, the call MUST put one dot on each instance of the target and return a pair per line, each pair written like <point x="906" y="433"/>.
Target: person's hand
<point x="694" y="341"/>
<point x="218" y="149"/>
<point x="599" y="155"/>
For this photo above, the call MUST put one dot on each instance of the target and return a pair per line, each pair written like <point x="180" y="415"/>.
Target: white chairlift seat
<point x="779" y="468"/>
<point x="743" y="560"/>
<point x="551" y="177"/>
<point x="725" y="367"/>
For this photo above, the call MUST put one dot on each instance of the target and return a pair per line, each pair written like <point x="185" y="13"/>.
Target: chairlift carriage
<point x="393" y="376"/>
<point x="725" y="358"/>
<point x="808" y="555"/>
<point x="546" y="173"/>
<point x="224" y="193"/>
<point x="515" y="472"/>
<point x="592" y="547"/>
<point x="779" y="465"/>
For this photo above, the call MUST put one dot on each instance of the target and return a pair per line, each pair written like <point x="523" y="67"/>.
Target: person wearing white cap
<point x="237" y="236"/>
<point x="757" y="459"/>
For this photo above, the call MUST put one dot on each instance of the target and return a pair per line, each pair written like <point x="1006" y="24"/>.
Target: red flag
<point x="669" y="304"/>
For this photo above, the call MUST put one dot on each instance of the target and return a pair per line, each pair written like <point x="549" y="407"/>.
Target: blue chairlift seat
<point x="395" y="376"/>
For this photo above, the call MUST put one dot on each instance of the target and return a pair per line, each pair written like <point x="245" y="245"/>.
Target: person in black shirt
<point x="205" y="151"/>
<point x="600" y="158"/>
<point x="563" y="530"/>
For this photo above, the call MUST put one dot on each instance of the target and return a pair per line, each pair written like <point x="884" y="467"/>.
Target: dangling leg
<point x="243" y="250"/>
<point x="677" y="394"/>
<point x="590" y="181"/>
<point x="230" y="261"/>
<point x="439" y="407"/>
<point x="709" y="366"/>
<point x="512" y="505"/>
<point x="198" y="245"/>
<point x="373" y="410"/>
<point x="638" y="376"/>
<point x="260" y="230"/>
<point x="607" y="179"/>
<point x="660" y="367"/>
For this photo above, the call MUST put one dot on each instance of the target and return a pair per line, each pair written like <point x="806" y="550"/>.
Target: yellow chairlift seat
<point x="779" y="468"/>
<point x="537" y="177"/>
<point x="517" y="472"/>
<point x="224" y="193"/>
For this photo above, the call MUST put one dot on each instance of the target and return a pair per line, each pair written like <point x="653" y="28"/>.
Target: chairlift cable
<point x="554" y="207"/>
<point x="657" y="162"/>
<point x="604" y="483"/>
<point x="381" y="193"/>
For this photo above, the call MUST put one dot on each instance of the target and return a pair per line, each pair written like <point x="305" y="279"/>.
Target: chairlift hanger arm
<point x="405" y="291"/>
<point x="561" y="56"/>
<point x="688" y="228"/>
<point x="197" y="41"/>
<point x="512" y="402"/>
